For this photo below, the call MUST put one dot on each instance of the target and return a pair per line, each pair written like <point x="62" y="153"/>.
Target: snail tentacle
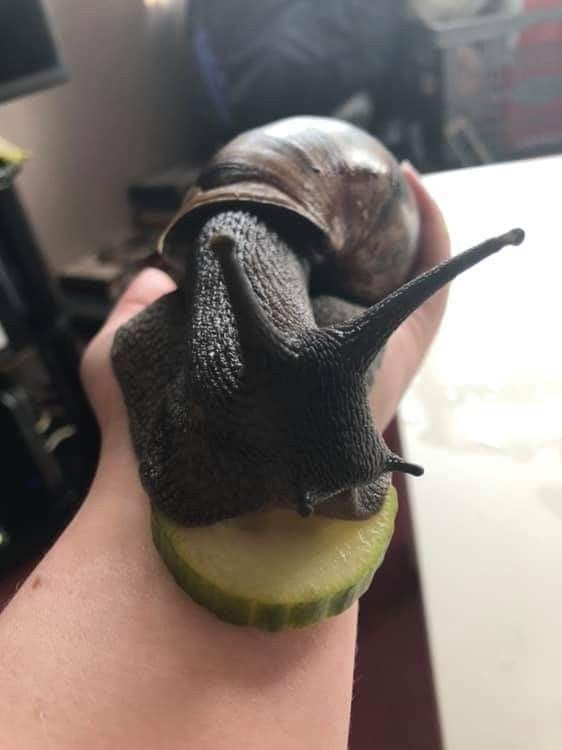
<point x="363" y="337"/>
<point x="396" y="463"/>
<point x="256" y="329"/>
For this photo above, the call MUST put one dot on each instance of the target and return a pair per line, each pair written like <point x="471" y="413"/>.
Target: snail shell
<point x="340" y="180"/>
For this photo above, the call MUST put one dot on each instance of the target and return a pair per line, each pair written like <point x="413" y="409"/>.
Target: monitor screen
<point x="29" y="59"/>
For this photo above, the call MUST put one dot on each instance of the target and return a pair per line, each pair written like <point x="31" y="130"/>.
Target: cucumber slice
<point x="274" y="569"/>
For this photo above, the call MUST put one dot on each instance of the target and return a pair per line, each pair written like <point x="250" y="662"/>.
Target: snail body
<point x="247" y="387"/>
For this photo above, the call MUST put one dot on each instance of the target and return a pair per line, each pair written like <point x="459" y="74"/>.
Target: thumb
<point x="145" y="289"/>
<point x="96" y="373"/>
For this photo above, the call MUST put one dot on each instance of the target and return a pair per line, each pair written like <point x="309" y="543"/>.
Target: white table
<point x="485" y="419"/>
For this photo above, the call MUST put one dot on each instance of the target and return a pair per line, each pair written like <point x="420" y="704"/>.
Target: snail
<point x="247" y="387"/>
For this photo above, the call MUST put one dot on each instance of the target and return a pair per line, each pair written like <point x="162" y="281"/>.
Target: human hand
<point x="101" y="629"/>
<point x="408" y="345"/>
<point x="97" y="375"/>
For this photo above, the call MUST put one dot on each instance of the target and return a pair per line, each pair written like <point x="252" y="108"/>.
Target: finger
<point x="408" y="345"/>
<point x="145" y="289"/>
<point x="435" y="245"/>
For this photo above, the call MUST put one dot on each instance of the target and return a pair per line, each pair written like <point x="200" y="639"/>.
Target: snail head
<point x="313" y="382"/>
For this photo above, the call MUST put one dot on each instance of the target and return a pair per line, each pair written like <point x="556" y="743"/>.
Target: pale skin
<point x="101" y="649"/>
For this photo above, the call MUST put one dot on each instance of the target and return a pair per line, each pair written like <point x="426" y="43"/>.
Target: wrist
<point x="117" y="454"/>
<point x="117" y="480"/>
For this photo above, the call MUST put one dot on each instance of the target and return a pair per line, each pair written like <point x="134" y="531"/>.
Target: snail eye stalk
<point x="255" y="326"/>
<point x="363" y="338"/>
<point x="405" y="467"/>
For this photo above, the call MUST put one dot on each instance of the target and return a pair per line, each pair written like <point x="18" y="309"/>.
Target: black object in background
<point x="444" y="94"/>
<point x="29" y="60"/>
<point x="34" y="317"/>
<point x="257" y="62"/>
<point x="37" y="495"/>
<point x="43" y="314"/>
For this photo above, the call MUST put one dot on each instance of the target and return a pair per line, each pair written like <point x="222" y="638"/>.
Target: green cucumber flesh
<point x="273" y="569"/>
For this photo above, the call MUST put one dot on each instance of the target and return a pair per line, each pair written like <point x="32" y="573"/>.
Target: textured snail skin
<point x="248" y="385"/>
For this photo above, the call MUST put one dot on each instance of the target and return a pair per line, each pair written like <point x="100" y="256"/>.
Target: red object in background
<point x="533" y="110"/>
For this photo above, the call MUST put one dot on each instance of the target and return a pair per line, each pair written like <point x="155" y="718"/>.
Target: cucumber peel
<point x="273" y="569"/>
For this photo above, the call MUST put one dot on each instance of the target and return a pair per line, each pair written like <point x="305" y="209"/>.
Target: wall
<point x="121" y="115"/>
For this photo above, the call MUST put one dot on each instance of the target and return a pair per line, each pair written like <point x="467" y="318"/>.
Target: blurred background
<point x="108" y="109"/>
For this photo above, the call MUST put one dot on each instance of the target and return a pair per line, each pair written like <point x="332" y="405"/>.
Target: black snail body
<point x="248" y="385"/>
